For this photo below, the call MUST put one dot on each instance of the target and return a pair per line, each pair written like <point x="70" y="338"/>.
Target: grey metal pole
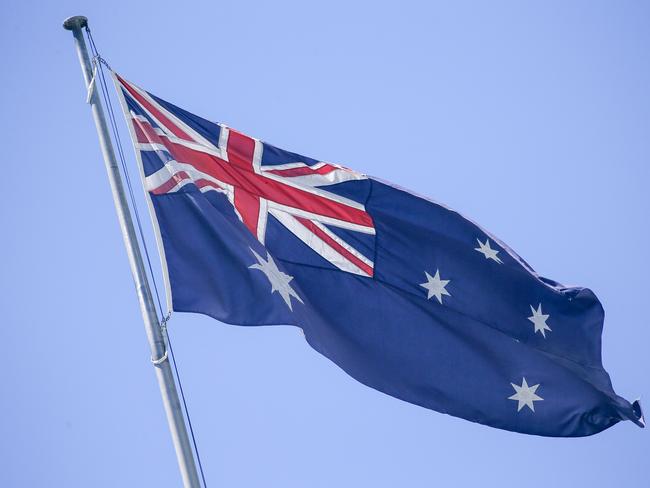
<point x="166" y="382"/>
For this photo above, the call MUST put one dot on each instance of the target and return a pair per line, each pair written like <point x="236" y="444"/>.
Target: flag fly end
<point x="638" y="411"/>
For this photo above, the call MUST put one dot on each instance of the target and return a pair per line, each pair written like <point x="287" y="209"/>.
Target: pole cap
<point x="75" y="22"/>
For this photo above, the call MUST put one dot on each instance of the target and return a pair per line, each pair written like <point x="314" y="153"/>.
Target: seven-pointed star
<point x="487" y="251"/>
<point x="539" y="320"/>
<point x="279" y="280"/>
<point x="435" y="286"/>
<point x="525" y="395"/>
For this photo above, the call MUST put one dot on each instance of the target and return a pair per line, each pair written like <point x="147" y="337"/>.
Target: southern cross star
<point x="279" y="280"/>
<point x="539" y="320"/>
<point x="435" y="286"/>
<point x="525" y="395"/>
<point x="487" y="251"/>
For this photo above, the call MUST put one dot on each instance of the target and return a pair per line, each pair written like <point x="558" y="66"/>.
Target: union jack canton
<point x="256" y="186"/>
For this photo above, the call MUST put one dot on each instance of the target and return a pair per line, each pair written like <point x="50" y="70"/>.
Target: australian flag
<point x="404" y="294"/>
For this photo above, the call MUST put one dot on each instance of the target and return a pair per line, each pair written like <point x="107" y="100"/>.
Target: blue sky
<point x="531" y="118"/>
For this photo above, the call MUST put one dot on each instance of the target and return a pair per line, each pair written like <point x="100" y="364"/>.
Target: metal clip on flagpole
<point x="163" y="370"/>
<point x="91" y="85"/>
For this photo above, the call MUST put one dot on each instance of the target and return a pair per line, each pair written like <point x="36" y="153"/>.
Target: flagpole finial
<point x="75" y="22"/>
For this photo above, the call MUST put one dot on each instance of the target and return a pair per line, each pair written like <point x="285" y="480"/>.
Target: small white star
<point x="279" y="280"/>
<point x="525" y="395"/>
<point x="487" y="251"/>
<point x="435" y="286"/>
<point x="539" y="320"/>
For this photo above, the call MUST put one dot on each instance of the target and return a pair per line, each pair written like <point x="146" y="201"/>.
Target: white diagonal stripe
<point x="342" y="243"/>
<point x="186" y="128"/>
<point x="316" y="243"/>
<point x="321" y="218"/>
<point x="172" y="167"/>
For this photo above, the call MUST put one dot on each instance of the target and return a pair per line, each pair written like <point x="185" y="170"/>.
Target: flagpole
<point x="162" y="367"/>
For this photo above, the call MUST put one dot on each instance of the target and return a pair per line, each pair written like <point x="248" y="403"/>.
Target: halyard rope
<point x="99" y="63"/>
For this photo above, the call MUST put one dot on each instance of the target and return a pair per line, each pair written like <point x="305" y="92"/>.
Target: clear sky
<point x="531" y="118"/>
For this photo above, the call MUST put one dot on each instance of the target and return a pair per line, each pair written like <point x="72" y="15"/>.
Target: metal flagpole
<point x="154" y="334"/>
